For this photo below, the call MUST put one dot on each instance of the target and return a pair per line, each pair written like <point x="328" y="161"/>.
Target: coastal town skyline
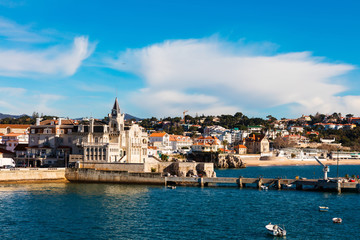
<point x="259" y="59"/>
<point x="161" y="119"/>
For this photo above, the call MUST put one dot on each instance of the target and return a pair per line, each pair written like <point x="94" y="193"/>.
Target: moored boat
<point x="337" y="220"/>
<point x="323" y="209"/>
<point x="275" y="230"/>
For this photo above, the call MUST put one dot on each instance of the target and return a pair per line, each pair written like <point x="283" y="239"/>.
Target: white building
<point x="296" y="129"/>
<point x="56" y="142"/>
<point x="160" y="140"/>
<point x="11" y="140"/>
<point x="111" y="141"/>
<point x="178" y="142"/>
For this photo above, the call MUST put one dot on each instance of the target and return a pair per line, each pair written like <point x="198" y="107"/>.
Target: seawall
<point x="92" y="175"/>
<point x="32" y="174"/>
<point x="181" y="169"/>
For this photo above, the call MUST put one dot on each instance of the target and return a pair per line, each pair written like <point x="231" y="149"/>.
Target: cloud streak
<point x="25" y="101"/>
<point x="12" y="31"/>
<point x="25" y="52"/>
<point x="214" y="77"/>
<point x="55" y="60"/>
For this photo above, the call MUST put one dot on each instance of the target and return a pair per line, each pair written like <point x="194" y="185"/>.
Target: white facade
<point x="179" y="142"/>
<point x="160" y="140"/>
<point x="89" y="141"/>
<point x="11" y="140"/>
<point x="112" y="141"/>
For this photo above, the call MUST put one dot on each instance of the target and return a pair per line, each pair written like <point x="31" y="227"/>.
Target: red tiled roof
<point x="179" y="138"/>
<point x="161" y="134"/>
<point x="207" y="138"/>
<point x="202" y="144"/>
<point x="63" y="122"/>
<point x="22" y="126"/>
<point x="312" y="132"/>
<point x="14" y="134"/>
<point x="240" y="146"/>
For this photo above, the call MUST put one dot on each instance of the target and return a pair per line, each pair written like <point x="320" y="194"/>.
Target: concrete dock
<point x="275" y="183"/>
<point x="124" y="177"/>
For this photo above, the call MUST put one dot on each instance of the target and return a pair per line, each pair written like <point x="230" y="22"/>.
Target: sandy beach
<point x="289" y="162"/>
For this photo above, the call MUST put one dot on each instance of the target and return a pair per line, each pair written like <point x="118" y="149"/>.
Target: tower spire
<point x="116" y="109"/>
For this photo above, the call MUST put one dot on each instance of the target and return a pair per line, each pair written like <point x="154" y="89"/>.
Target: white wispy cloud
<point x="27" y="101"/>
<point x="212" y="76"/>
<point x="43" y="103"/>
<point x="11" y="91"/>
<point x="11" y="31"/>
<point x="25" y="51"/>
<point x="55" y="60"/>
<point x="28" y="53"/>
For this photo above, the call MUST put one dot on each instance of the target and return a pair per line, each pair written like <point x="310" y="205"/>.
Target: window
<point x="47" y="131"/>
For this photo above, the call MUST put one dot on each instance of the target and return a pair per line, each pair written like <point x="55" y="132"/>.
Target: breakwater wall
<point x="92" y="175"/>
<point x="181" y="169"/>
<point x="338" y="185"/>
<point x="31" y="174"/>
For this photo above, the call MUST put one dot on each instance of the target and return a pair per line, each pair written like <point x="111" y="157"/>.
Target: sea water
<point x="115" y="211"/>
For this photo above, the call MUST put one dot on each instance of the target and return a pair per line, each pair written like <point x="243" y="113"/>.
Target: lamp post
<point x="337" y="165"/>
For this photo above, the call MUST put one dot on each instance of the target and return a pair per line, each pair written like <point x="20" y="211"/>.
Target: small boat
<point x="263" y="187"/>
<point x="337" y="220"/>
<point x="323" y="209"/>
<point x="275" y="230"/>
<point x="171" y="187"/>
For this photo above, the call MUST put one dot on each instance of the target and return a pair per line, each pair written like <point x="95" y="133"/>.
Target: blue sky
<point x="285" y="58"/>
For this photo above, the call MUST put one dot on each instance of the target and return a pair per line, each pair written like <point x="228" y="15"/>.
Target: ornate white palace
<point x="58" y="141"/>
<point x="111" y="141"/>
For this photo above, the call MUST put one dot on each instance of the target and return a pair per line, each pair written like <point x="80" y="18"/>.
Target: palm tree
<point x="225" y="143"/>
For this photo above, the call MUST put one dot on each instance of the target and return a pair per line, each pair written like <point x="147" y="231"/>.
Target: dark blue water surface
<point x="114" y="211"/>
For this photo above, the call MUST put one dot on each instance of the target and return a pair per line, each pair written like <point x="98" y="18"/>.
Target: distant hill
<point x="2" y="116"/>
<point x="128" y="117"/>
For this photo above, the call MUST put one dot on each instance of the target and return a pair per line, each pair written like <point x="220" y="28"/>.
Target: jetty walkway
<point x="338" y="185"/>
<point x="125" y="177"/>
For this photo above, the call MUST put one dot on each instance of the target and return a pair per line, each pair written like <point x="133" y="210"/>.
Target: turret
<point x="115" y="112"/>
<point x="116" y="119"/>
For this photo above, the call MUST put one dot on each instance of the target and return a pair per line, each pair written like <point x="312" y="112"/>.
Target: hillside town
<point x="54" y="142"/>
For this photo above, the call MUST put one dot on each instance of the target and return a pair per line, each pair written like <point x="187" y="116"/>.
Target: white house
<point x="178" y="142"/>
<point x="160" y="140"/>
